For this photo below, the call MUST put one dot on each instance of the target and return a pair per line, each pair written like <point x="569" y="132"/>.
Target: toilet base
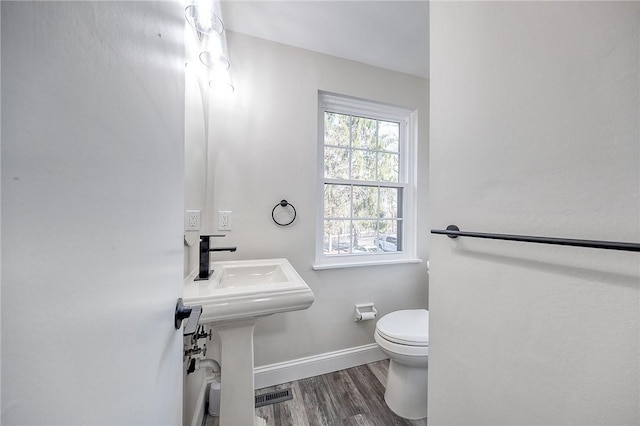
<point x="406" y="390"/>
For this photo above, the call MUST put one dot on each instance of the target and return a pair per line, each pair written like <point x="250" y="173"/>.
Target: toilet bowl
<point x="404" y="337"/>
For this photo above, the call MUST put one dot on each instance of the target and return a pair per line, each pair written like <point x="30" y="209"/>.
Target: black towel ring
<point x="283" y="204"/>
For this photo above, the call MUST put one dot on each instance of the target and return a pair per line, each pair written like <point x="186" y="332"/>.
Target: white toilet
<point x="404" y="337"/>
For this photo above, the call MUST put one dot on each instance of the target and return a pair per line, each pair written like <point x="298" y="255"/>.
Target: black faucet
<point x="205" y="248"/>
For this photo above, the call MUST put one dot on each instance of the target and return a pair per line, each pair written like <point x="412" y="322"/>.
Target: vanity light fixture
<point x="205" y="16"/>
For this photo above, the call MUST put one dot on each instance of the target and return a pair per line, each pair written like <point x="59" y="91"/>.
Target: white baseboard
<point x="301" y="368"/>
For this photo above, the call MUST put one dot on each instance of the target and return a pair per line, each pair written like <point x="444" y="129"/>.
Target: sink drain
<point x="273" y="397"/>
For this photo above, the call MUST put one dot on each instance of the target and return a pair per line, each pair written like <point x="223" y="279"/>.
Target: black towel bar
<point x="453" y="231"/>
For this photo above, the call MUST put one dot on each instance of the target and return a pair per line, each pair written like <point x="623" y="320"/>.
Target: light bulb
<point x="212" y="60"/>
<point x="214" y="54"/>
<point x="202" y="18"/>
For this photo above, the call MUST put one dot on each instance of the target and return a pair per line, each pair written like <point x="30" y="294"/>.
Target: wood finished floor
<point x="344" y="398"/>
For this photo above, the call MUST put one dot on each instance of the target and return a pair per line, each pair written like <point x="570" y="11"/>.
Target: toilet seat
<point x="398" y="349"/>
<point x="407" y="327"/>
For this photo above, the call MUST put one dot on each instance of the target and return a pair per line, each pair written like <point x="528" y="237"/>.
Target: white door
<point x="92" y="199"/>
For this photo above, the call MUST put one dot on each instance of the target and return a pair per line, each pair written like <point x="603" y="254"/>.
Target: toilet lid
<point x="407" y="327"/>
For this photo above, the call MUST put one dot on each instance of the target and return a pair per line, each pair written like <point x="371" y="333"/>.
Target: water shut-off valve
<point x="196" y="349"/>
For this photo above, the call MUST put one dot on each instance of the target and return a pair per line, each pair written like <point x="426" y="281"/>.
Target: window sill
<point x="355" y="264"/>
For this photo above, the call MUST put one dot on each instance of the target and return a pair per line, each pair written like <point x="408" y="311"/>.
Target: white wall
<point x="534" y="131"/>
<point x="263" y="149"/>
<point x="92" y="198"/>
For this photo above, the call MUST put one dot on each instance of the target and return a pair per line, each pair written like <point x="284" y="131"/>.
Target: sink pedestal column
<point x="237" y="399"/>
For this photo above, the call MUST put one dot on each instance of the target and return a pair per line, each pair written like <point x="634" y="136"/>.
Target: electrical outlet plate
<point x="192" y="220"/>
<point x="224" y="220"/>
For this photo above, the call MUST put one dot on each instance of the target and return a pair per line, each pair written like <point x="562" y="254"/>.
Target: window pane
<point x="336" y="129"/>
<point x="388" y="136"/>
<point x="364" y="235"/>
<point x="337" y="201"/>
<point x="365" y="202"/>
<point x="390" y="207"/>
<point x="388" y="239"/>
<point x="363" y="131"/>
<point x="336" y="163"/>
<point x="337" y="236"/>
<point x="388" y="167"/>
<point x="363" y="165"/>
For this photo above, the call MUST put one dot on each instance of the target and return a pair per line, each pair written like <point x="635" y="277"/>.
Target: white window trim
<point x="408" y="166"/>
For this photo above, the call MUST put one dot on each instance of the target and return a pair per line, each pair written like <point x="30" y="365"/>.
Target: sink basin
<point x="240" y="276"/>
<point x="248" y="288"/>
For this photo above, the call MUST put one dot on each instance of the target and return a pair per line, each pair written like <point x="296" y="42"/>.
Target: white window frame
<point x="408" y="143"/>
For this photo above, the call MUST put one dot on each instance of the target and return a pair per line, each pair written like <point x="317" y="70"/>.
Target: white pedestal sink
<point x="236" y="295"/>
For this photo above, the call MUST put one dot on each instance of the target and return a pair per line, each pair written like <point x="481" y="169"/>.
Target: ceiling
<point x="387" y="34"/>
